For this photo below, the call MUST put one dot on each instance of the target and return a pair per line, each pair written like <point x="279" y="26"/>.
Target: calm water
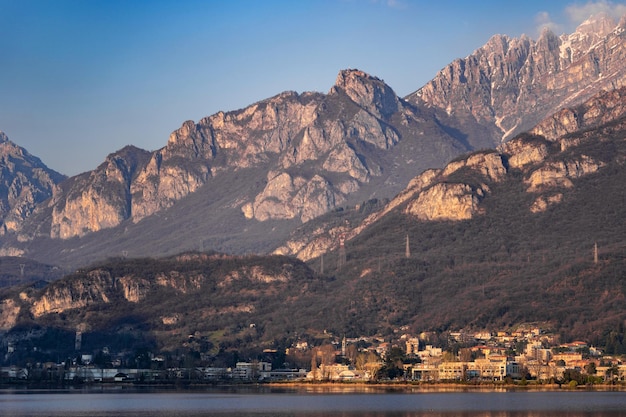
<point x="110" y="402"/>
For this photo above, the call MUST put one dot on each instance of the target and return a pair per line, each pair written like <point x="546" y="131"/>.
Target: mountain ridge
<point x="25" y="182"/>
<point x="401" y="268"/>
<point x="292" y="157"/>
<point x="446" y="195"/>
<point x="318" y="152"/>
<point x="510" y="84"/>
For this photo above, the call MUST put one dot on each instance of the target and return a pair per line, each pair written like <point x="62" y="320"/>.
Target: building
<point x="251" y="370"/>
<point x="494" y="368"/>
<point x="425" y="372"/>
<point x="452" y="371"/>
<point x="412" y="346"/>
<point x="338" y="372"/>
<point x="429" y="353"/>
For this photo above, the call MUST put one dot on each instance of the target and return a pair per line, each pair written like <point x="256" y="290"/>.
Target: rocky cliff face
<point x="123" y="286"/>
<point x="549" y="165"/>
<point x="24" y="183"/>
<point x="510" y="84"/>
<point x="294" y="157"/>
<point x="601" y="109"/>
<point x="353" y="115"/>
<point x="98" y="199"/>
<point x="317" y="151"/>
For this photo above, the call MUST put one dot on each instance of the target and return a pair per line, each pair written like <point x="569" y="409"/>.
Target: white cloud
<point x="543" y="20"/>
<point x="577" y="13"/>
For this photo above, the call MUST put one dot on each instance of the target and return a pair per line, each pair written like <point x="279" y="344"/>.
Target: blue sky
<point x="80" y="79"/>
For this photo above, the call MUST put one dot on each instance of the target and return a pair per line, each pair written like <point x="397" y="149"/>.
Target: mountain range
<point x="473" y="202"/>
<point x="530" y="233"/>
<point x="241" y="181"/>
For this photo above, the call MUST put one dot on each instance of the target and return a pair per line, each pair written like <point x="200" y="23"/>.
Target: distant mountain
<point x="557" y="151"/>
<point x="287" y="159"/>
<point x="25" y="182"/>
<point x="495" y="239"/>
<point x="510" y="84"/>
<point x="242" y="181"/>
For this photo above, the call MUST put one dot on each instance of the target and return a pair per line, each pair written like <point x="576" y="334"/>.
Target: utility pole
<point x="595" y="253"/>
<point x="78" y="339"/>
<point x="342" y="250"/>
<point x="407" y="251"/>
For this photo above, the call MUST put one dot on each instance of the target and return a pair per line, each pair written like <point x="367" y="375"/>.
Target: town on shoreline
<point x="523" y="358"/>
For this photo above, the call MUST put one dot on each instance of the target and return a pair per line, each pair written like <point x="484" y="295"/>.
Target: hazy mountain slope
<point x="510" y="84"/>
<point x="15" y="270"/>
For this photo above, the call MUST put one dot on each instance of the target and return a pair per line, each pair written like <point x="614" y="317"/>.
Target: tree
<point x="351" y="353"/>
<point x="393" y="366"/>
<point x="613" y="373"/>
<point x="142" y="358"/>
<point x="590" y="368"/>
<point x="365" y="358"/>
<point x="327" y="354"/>
<point x="573" y="375"/>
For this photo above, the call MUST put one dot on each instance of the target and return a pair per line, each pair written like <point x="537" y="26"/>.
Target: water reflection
<point x="310" y="402"/>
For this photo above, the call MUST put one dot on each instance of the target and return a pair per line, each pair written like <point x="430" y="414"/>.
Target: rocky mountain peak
<point x="547" y="39"/>
<point x="182" y="132"/>
<point x="586" y="36"/>
<point x="9" y="150"/>
<point x="369" y="92"/>
<point x="348" y="78"/>
<point x="598" y="25"/>
<point x="509" y="85"/>
<point x="550" y="159"/>
<point x="24" y="182"/>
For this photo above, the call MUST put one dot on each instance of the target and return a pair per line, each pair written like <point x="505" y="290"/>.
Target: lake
<point x="110" y="401"/>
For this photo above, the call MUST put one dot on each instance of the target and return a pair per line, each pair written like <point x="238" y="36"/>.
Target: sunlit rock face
<point x="317" y="150"/>
<point x="561" y="173"/>
<point x="312" y="153"/>
<point x="447" y="202"/>
<point x="607" y="106"/>
<point x="510" y="84"/>
<point x="98" y="199"/>
<point x="25" y="182"/>
<point x="546" y="167"/>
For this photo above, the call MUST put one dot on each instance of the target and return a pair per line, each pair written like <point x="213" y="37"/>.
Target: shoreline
<point x="442" y="387"/>
<point x="315" y="387"/>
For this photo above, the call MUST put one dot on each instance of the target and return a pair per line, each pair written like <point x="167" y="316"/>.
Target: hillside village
<point x="518" y="357"/>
